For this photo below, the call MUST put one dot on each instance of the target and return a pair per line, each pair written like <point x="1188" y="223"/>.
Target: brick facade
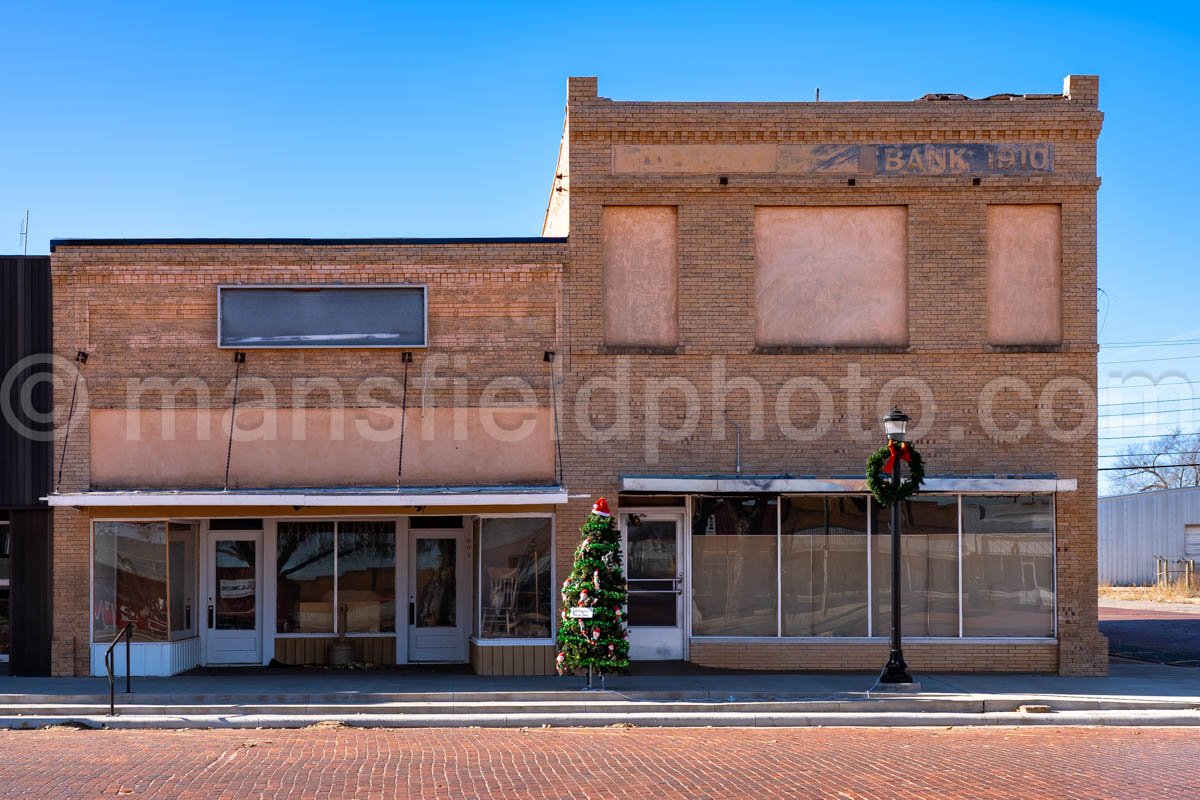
<point x="148" y="310"/>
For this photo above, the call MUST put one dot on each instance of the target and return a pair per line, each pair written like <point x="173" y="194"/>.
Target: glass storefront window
<point x="928" y="567"/>
<point x="5" y="592"/>
<point x="735" y="566"/>
<point x="824" y="566"/>
<point x="1008" y="566"/>
<point x="366" y="576"/>
<point x="130" y="580"/>
<point x="516" y="587"/>
<point x="181" y="574"/>
<point x="304" y="577"/>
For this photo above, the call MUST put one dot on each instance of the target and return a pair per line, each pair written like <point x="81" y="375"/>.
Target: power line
<point x="1152" y="343"/>
<point x="1143" y="469"/>
<point x="1144" y="413"/>
<point x="1144" y="360"/>
<point x="1147" y="402"/>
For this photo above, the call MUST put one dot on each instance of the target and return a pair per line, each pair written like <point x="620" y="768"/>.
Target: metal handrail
<point x="126" y="632"/>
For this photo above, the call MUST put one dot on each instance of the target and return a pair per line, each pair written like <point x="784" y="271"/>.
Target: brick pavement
<point x="846" y="763"/>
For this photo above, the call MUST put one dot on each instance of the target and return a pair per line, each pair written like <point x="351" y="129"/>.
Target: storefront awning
<point x="789" y="484"/>
<point x="347" y="497"/>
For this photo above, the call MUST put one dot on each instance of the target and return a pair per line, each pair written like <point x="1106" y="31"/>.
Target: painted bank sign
<point x="964" y="159"/>
<point x="835" y="159"/>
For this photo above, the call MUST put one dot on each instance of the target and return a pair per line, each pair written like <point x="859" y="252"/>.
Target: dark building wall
<point x="26" y="460"/>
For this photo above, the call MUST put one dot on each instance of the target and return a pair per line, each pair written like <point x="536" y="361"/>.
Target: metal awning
<point x="347" y="497"/>
<point x="790" y="484"/>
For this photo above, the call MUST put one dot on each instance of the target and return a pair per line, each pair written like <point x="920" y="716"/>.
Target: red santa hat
<point x="600" y="509"/>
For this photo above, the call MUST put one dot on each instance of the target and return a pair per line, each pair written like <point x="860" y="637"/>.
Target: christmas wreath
<point x="883" y="461"/>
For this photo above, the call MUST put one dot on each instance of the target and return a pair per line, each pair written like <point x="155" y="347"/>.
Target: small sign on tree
<point x="592" y="634"/>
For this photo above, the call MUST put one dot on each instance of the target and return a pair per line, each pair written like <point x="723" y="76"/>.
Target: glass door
<point x="437" y="621"/>
<point x="234" y="598"/>
<point x="654" y="573"/>
<point x="5" y="593"/>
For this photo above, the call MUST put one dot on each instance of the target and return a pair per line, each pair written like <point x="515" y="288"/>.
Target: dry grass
<point x="1175" y="592"/>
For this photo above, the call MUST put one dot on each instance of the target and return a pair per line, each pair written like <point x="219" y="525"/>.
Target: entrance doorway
<point x="439" y="583"/>
<point x="654" y="559"/>
<point x="234" y="619"/>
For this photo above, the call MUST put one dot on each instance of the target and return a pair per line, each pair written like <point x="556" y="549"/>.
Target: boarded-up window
<point x="831" y="275"/>
<point x="641" y="276"/>
<point x="1024" y="274"/>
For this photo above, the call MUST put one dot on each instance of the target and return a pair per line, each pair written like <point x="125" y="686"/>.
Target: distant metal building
<point x="1134" y="528"/>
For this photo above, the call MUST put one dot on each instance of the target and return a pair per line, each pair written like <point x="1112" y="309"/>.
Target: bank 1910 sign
<point x="964" y="159"/>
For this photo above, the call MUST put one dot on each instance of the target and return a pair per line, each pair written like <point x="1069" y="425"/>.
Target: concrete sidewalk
<point x="1132" y="694"/>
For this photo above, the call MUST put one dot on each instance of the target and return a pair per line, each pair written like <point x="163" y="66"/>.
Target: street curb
<point x="1122" y="718"/>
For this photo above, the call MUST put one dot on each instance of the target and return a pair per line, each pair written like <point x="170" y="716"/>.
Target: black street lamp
<point x="896" y="671"/>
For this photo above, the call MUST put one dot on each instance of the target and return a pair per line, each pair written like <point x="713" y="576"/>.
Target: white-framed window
<point x="364" y="316"/>
<point x="972" y="566"/>
<point x="332" y="575"/>
<point x="516" y="578"/>
<point x="144" y="572"/>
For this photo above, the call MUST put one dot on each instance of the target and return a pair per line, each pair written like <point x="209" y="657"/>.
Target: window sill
<point x="829" y="349"/>
<point x="512" y="642"/>
<point x="640" y="350"/>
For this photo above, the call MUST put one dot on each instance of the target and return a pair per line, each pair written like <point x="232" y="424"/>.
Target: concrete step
<point x="1156" y="717"/>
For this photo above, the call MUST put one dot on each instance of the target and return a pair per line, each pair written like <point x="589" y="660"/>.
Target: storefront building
<point x="725" y="299"/>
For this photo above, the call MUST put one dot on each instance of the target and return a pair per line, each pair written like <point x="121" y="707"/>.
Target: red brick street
<point x="844" y="763"/>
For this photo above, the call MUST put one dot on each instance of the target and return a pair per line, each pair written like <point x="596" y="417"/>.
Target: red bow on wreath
<point x="904" y="455"/>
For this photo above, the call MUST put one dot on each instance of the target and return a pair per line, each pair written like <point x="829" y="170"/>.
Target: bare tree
<point x="1168" y="462"/>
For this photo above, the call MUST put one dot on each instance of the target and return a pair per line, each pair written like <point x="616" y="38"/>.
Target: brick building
<point x="725" y="299"/>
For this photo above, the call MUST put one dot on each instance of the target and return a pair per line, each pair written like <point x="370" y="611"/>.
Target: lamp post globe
<point x="895" y="425"/>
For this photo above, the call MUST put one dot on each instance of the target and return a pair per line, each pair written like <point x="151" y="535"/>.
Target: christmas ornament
<point x="595" y="634"/>
<point x="596" y="579"/>
<point x="600" y="509"/>
<point x="558" y="663"/>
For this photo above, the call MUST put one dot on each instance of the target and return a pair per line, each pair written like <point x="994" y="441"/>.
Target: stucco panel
<point x="831" y="275"/>
<point x="1024" y="274"/>
<point x="320" y="447"/>
<point x="641" y="276"/>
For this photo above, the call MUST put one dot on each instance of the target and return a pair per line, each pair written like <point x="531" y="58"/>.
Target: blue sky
<point x="388" y="119"/>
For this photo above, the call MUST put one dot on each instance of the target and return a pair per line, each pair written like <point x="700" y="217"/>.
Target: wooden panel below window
<point x="315" y="651"/>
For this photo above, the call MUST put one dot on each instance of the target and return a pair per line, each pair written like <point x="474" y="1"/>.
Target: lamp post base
<point x="896" y="671"/>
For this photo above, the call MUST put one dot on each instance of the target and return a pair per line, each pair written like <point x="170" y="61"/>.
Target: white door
<point x="653" y="546"/>
<point x="438" y="582"/>
<point x="234" y="614"/>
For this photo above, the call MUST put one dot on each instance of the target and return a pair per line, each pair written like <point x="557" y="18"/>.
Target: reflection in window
<point x="181" y="566"/>
<point x="436" y="583"/>
<point x="1008" y="566"/>
<point x="928" y="567"/>
<point x="824" y="563"/>
<point x="130" y="580"/>
<point x="516" y="591"/>
<point x="367" y="576"/>
<point x="734" y="566"/>
<point x="304" y="583"/>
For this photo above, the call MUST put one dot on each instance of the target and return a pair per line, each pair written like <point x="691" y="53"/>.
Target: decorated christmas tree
<point x="591" y="631"/>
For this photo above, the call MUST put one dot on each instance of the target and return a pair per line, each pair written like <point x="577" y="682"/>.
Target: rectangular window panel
<point x="5" y="623"/>
<point x="367" y="576"/>
<point x="322" y="316"/>
<point x="181" y="566"/>
<point x="516" y="592"/>
<point x="304" y="584"/>
<point x="824" y="563"/>
<point x="734" y="567"/>
<point x="5" y="552"/>
<point x="130" y="580"/>
<point x="832" y="275"/>
<point x="928" y="567"/>
<point x="1008" y="566"/>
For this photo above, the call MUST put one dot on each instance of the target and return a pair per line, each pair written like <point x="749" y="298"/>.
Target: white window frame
<point x="778" y="638"/>
<point x="478" y="638"/>
<point x="303" y="286"/>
